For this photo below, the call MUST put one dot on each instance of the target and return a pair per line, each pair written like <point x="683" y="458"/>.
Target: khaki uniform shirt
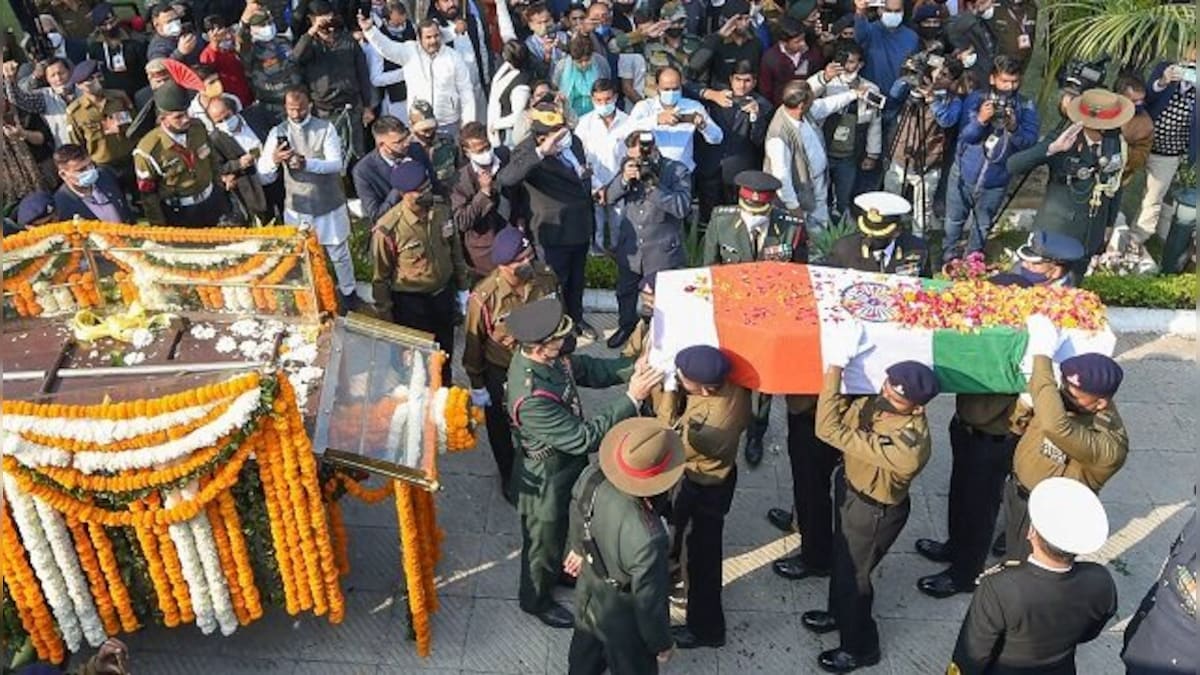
<point x="1089" y="448"/>
<point x="711" y="428"/>
<point x="414" y="254"/>
<point x="100" y="126"/>
<point x="487" y="341"/>
<point x="167" y="171"/>
<point x="883" y="454"/>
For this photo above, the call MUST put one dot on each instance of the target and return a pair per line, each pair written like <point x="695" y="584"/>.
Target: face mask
<point x="173" y="29"/>
<point x="891" y="19"/>
<point x="230" y="124"/>
<point x="1035" y="278"/>
<point x="482" y="158"/>
<point x="425" y="199"/>
<point x="524" y="271"/>
<point x="969" y="62"/>
<point x="988" y="13"/>
<point x="674" y="33"/>
<point x="225" y="45"/>
<point x="263" y="33"/>
<point x="88" y="177"/>
<point x="670" y="97"/>
<point x="755" y="221"/>
<point x="606" y="109"/>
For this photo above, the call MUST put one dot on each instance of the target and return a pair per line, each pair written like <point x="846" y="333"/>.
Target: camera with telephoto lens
<point x="647" y="160"/>
<point x="917" y="70"/>
<point x="1003" y="107"/>
<point x="1078" y="75"/>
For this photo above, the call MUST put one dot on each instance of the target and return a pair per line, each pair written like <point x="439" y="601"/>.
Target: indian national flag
<point x="773" y="318"/>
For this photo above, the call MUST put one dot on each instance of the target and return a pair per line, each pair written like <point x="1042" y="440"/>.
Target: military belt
<point x="865" y="498"/>
<point x="194" y="199"/>
<point x="1022" y="491"/>
<point x="539" y="455"/>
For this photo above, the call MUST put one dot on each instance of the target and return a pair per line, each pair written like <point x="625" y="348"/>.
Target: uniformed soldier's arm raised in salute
<point x="649" y="580"/>
<point x="1103" y="444"/>
<point x="892" y="452"/>
<point x="982" y="634"/>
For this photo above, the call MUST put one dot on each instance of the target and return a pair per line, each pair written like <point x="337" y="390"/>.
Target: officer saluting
<point x="881" y="244"/>
<point x="549" y="429"/>
<point x="1075" y="431"/>
<point x="1028" y="616"/>
<point x="884" y="440"/>
<point x="175" y="167"/>
<point x="488" y="348"/>
<point x="759" y="228"/>
<point x="619" y="549"/>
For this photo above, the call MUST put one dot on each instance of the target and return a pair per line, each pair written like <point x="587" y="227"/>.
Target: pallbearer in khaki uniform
<point x="884" y="440"/>
<point x="518" y="279"/>
<point x="175" y="167"/>
<point x="99" y="119"/>
<point x="1075" y="431"/>
<point x="710" y="413"/>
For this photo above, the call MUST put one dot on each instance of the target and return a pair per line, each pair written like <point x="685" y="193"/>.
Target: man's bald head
<point x="218" y="110"/>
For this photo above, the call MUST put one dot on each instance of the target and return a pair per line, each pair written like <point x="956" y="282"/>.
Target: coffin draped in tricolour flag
<point x="773" y="319"/>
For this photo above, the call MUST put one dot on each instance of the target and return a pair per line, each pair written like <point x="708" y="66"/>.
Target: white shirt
<point x="461" y="42"/>
<point x="780" y="156"/>
<point x="867" y="114"/>
<point x="603" y="145"/>
<point x="247" y="141"/>
<point x="444" y="80"/>
<point x="332" y="228"/>
<point x="198" y="111"/>
<point x="499" y="125"/>
<point x="675" y="142"/>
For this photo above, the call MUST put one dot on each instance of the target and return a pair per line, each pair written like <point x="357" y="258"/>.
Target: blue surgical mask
<point x="88" y="177"/>
<point x="891" y="19"/>
<point x="606" y="109"/>
<point x="1035" y="278"/>
<point x="669" y="97"/>
<point x="230" y="124"/>
<point x="603" y="31"/>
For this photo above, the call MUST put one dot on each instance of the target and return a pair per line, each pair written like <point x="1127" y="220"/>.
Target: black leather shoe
<point x="619" y="338"/>
<point x="686" y="639"/>
<point x="842" y="661"/>
<point x="1000" y="546"/>
<point x="781" y="519"/>
<point x="818" y="621"/>
<point x="349" y="303"/>
<point x="754" y="449"/>
<point x="556" y="616"/>
<point x="932" y="549"/>
<point x="793" y="568"/>
<point x="940" y="585"/>
<point x="584" y="329"/>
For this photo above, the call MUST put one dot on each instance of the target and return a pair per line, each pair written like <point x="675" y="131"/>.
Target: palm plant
<point x="1135" y="33"/>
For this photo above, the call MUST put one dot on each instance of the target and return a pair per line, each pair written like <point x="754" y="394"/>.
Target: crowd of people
<point x="487" y="148"/>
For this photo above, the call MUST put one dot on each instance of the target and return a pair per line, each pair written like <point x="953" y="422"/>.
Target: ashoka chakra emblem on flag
<point x="870" y="301"/>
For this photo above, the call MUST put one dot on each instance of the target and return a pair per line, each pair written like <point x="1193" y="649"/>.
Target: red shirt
<point x="229" y="69"/>
<point x="777" y="69"/>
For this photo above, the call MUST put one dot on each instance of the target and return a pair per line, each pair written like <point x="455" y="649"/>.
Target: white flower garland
<point x="35" y="250"/>
<point x="207" y="257"/>
<point x="35" y="455"/>
<point x="193" y="574"/>
<point x="399" y="420"/>
<point x="210" y="560"/>
<point x="438" y="410"/>
<point x="78" y="589"/>
<point x="104" y="431"/>
<point x="42" y="559"/>
<point x="416" y="408"/>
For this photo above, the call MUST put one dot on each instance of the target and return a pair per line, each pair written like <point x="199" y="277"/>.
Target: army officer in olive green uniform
<point x="619" y="551"/>
<point x="884" y="440"/>
<point x="175" y="167"/>
<point x="555" y="439"/>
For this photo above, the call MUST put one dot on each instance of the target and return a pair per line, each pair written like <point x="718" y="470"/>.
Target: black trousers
<point x="499" y="426"/>
<point x="589" y="655"/>
<point x="863" y="534"/>
<point x="700" y="512"/>
<point x="432" y="313"/>
<point x="760" y="409"/>
<point x="204" y="214"/>
<point x="813" y="461"/>
<point x="628" y="284"/>
<point x="981" y="462"/>
<point x="568" y="263"/>
<point x="1016" y="515"/>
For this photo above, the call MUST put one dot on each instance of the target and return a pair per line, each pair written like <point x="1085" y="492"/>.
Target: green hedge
<point x="1177" y="291"/>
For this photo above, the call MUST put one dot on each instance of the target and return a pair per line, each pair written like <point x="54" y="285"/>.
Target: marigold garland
<point x="125" y="410"/>
<point x="228" y="567"/>
<point x="27" y="593"/>
<point x="95" y="577"/>
<point x="112" y="577"/>
<point x="363" y="494"/>
<point x="292" y="508"/>
<point x="163" y="590"/>
<point x="414" y="564"/>
<point x="271" y="476"/>
<point x="337" y="531"/>
<point x="321" y="279"/>
<point x="241" y="556"/>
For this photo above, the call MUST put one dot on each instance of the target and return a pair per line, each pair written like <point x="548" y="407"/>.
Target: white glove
<point x="1043" y="336"/>
<point x="847" y="341"/>
<point x="481" y="398"/>
<point x="462" y="301"/>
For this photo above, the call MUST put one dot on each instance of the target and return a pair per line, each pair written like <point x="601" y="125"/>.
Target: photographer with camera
<point x="1171" y="102"/>
<point x="655" y="195"/>
<point x="853" y="136"/>
<point x="744" y="128"/>
<point x="997" y="123"/>
<point x="931" y="110"/>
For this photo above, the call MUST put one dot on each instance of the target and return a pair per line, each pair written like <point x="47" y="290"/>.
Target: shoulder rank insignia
<point x="998" y="567"/>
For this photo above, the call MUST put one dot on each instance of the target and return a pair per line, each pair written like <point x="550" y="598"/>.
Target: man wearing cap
<point x="1075" y="430"/>
<point x="420" y="277"/>
<point x="710" y="413"/>
<point x="653" y="195"/>
<point x="517" y="279"/>
<point x="442" y="153"/>
<point x="36" y="208"/>
<point x="267" y="58"/>
<point x="122" y="56"/>
<point x="1028" y="616"/>
<point x="757" y="229"/>
<point x="555" y="439"/>
<point x="175" y="167"/>
<point x="881" y="243"/>
<point x="619" y="552"/>
<point x="1086" y="162"/>
<point x="1046" y="258"/>
<point x="663" y="44"/>
<point x="551" y="165"/>
<point x="99" y="119"/>
<point x="884" y="440"/>
<point x="713" y="61"/>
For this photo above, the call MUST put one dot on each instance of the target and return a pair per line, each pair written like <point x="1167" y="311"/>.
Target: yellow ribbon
<point x="89" y="326"/>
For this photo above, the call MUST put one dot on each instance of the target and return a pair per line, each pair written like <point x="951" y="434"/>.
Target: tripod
<point x="913" y="112"/>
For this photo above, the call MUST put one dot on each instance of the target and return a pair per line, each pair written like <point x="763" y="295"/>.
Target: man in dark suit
<point x="479" y="207"/>
<point x="88" y="191"/>
<point x="550" y="163"/>
<point x="881" y="244"/>
<point x="238" y="147"/>
<point x="744" y="123"/>
<point x="372" y="173"/>
<point x="655" y="194"/>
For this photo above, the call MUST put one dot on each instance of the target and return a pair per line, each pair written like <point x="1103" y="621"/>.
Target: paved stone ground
<point x="480" y="629"/>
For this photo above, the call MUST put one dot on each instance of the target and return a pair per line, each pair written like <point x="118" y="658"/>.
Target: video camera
<point x="917" y="70"/>
<point x="1078" y="75"/>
